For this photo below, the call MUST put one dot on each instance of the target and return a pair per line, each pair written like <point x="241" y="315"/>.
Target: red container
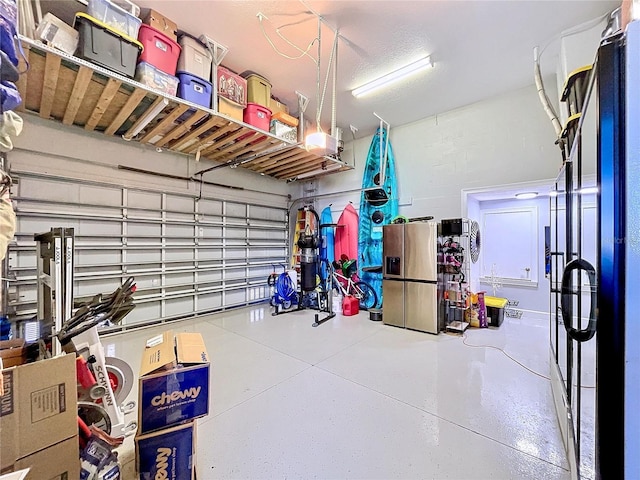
<point x="159" y="50"/>
<point x="350" y="306"/>
<point x="257" y="115"/>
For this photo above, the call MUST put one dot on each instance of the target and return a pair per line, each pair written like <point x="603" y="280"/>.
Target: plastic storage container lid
<point x="495" y="302"/>
<point x="250" y="73"/>
<point x="103" y="25"/>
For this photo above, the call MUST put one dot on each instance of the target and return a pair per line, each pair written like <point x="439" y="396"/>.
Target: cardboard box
<point x="57" y="462"/>
<point x="174" y="381"/>
<point x="227" y="107"/>
<point x="163" y="24"/>
<point x="168" y="454"/>
<point x="39" y="407"/>
<point x="13" y="352"/>
<point x="276" y="106"/>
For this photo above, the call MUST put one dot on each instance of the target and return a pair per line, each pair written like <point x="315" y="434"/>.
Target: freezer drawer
<point x="420" y="306"/>
<point x="393" y="294"/>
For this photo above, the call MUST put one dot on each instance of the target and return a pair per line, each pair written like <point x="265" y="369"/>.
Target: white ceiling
<point x="480" y="48"/>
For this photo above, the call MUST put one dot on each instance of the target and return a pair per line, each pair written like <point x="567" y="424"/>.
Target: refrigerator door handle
<point x="566" y="300"/>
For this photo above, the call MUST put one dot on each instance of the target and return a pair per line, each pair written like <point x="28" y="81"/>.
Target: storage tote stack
<point x="194" y="71"/>
<point x="173" y="392"/>
<point x="232" y="93"/>
<point x="284" y="126"/>
<point x="257" y="111"/>
<point x="158" y="61"/>
<point x="107" y="35"/>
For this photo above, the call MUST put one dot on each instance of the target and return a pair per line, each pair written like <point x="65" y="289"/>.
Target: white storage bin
<point x="195" y="58"/>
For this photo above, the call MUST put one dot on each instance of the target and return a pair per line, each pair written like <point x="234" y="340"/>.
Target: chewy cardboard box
<point x="38" y="408"/>
<point x="163" y="24"/>
<point x="58" y="462"/>
<point x="167" y="454"/>
<point x="174" y="381"/>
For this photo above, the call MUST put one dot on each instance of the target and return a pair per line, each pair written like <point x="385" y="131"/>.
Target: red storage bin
<point x="350" y="306"/>
<point x="159" y="50"/>
<point x="257" y="115"/>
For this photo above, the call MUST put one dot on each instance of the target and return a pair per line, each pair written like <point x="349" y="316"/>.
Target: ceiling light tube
<point x="588" y="190"/>
<point x="393" y="77"/>
<point x="146" y="118"/>
<point x="526" y="195"/>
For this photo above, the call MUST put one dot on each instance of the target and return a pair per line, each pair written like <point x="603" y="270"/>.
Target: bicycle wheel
<point x="365" y="294"/>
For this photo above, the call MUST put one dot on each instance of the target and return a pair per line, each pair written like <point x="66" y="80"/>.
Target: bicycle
<point x="366" y="295"/>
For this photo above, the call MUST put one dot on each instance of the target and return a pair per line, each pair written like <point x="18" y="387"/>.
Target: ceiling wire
<point x="577" y="29"/>
<point x="303" y="53"/>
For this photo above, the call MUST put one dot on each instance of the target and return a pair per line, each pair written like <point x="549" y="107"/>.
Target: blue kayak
<point x="378" y="207"/>
<point x="326" y="247"/>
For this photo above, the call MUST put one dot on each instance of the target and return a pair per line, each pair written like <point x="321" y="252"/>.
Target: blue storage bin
<point x="194" y="89"/>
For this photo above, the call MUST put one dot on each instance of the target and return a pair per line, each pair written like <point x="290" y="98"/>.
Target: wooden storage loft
<point x="76" y="92"/>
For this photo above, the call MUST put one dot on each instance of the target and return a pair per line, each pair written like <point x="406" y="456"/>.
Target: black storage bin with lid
<point x="100" y="44"/>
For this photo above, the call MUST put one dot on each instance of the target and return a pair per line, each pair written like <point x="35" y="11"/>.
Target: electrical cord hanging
<point x="282" y="54"/>
<point x="464" y="341"/>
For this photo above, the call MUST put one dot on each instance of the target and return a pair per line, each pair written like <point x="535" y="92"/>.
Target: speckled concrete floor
<point x="358" y="399"/>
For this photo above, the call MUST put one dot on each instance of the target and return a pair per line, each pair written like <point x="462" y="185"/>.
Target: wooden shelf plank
<point x="182" y="129"/>
<point x="52" y="68"/>
<point x="210" y="139"/>
<point x="208" y="125"/>
<point x="73" y="91"/>
<point x="79" y="88"/>
<point x="134" y="100"/>
<point x="164" y="123"/>
<point x="108" y="93"/>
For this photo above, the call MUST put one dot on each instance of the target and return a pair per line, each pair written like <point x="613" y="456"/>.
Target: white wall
<point x="529" y="297"/>
<point x="502" y="140"/>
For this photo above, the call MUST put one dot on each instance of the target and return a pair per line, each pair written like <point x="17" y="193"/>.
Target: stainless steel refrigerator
<point x="410" y="270"/>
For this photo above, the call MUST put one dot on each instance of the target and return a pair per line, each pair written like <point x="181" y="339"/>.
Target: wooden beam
<point x="292" y="171"/>
<point x="289" y="152"/>
<point x="182" y="129"/>
<point x="83" y="78"/>
<point x="208" y="125"/>
<point x="51" y="70"/>
<point x="21" y="84"/>
<point x="103" y="103"/>
<point x="141" y="118"/>
<point x="280" y="160"/>
<point x="252" y="148"/>
<point x="214" y="136"/>
<point x="284" y="164"/>
<point x="225" y="140"/>
<point x="134" y="100"/>
<point x="168" y="120"/>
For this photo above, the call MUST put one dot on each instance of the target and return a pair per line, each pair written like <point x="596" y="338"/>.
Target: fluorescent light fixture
<point x="393" y="77"/>
<point x="587" y="190"/>
<point x="526" y="195"/>
<point x="146" y="119"/>
<point x="553" y="193"/>
<point x="321" y="144"/>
